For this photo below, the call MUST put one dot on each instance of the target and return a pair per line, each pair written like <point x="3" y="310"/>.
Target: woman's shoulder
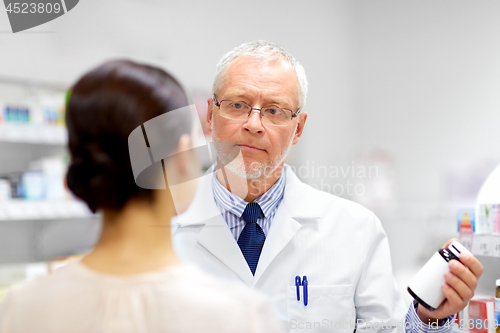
<point x="40" y="287"/>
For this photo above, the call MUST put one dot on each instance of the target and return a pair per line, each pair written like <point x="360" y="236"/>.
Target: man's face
<point x="258" y="84"/>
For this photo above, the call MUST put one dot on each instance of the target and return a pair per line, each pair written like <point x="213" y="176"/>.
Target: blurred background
<point x="403" y="104"/>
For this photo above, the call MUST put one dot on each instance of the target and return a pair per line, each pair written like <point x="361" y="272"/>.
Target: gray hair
<point x="261" y="50"/>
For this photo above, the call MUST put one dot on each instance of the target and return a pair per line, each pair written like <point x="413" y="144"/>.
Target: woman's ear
<point x="184" y="167"/>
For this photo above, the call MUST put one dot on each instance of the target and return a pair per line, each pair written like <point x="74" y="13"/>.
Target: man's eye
<point x="275" y="112"/>
<point x="237" y="105"/>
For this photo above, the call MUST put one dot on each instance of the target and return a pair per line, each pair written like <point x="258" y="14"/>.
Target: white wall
<point x="427" y="86"/>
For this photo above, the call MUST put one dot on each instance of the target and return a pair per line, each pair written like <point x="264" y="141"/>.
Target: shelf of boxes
<point x="39" y="220"/>
<point x="35" y="134"/>
<point x="486" y="245"/>
<point x="32" y="112"/>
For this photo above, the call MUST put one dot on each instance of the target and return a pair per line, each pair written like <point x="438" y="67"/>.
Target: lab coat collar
<point x="203" y="207"/>
<point x="296" y="208"/>
<point x="216" y="237"/>
<point x="283" y="229"/>
<point x="298" y="200"/>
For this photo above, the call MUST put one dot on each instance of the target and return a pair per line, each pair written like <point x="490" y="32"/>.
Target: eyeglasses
<point x="270" y="115"/>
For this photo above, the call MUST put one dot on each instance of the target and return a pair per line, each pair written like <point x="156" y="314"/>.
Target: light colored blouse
<point x="178" y="298"/>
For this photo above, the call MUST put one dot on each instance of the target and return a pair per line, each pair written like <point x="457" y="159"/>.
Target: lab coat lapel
<point x="295" y="207"/>
<point x="214" y="235"/>
<point x="282" y="231"/>
<point x="219" y="241"/>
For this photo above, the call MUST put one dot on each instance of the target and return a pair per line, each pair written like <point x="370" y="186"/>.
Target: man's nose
<point x="254" y="122"/>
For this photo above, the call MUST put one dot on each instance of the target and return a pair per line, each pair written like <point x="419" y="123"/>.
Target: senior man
<point x="323" y="260"/>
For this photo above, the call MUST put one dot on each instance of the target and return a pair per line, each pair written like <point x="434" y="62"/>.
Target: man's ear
<point x="210" y="110"/>
<point x="300" y="127"/>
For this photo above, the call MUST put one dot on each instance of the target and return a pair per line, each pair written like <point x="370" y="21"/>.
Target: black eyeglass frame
<point x="217" y="103"/>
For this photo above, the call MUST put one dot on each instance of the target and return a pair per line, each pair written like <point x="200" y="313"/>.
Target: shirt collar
<point x="231" y="202"/>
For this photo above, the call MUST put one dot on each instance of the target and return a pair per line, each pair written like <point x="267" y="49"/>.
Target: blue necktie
<point x="252" y="237"/>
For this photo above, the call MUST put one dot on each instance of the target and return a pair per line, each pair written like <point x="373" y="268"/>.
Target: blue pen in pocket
<point x="297" y="285"/>
<point x="304" y="283"/>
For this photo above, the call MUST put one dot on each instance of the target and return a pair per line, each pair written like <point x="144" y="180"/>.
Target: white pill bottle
<point x="425" y="287"/>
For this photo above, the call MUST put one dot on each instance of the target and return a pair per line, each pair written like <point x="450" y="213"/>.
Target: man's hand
<point x="461" y="282"/>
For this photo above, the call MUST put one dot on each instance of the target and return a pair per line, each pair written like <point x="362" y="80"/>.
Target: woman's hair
<point x="105" y="106"/>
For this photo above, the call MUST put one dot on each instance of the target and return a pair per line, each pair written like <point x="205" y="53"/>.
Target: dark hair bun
<point x="92" y="177"/>
<point x="105" y="106"/>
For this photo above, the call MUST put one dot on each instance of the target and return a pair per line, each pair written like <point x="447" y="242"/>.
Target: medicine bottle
<point x="425" y="287"/>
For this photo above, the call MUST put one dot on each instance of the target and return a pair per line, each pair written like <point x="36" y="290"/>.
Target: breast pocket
<point x="330" y="308"/>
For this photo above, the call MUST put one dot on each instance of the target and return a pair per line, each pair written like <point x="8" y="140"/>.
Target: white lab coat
<point x="339" y="245"/>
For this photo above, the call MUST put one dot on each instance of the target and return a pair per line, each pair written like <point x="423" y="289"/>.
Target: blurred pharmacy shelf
<point x="19" y="156"/>
<point x="35" y="134"/>
<point x="38" y="219"/>
<point x="31" y="122"/>
<point x="48" y="231"/>
<point x="43" y="210"/>
<point x="32" y="84"/>
<point x="486" y="245"/>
